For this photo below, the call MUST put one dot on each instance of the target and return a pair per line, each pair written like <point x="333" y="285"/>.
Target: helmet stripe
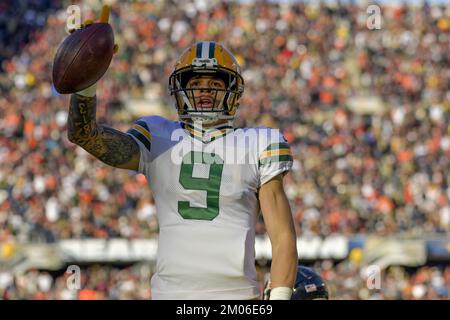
<point x="205" y="50"/>
<point x="211" y="49"/>
<point x="199" y="50"/>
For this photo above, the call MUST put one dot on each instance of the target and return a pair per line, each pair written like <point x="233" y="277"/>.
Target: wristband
<point x="88" y="92"/>
<point x="280" y="293"/>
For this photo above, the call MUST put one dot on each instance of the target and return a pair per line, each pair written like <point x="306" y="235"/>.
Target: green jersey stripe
<point x="275" y="146"/>
<point x="275" y="159"/>
<point x="141" y="138"/>
<point x="143" y="125"/>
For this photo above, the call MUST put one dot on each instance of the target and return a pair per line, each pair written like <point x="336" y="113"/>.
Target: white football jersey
<point x="205" y="186"/>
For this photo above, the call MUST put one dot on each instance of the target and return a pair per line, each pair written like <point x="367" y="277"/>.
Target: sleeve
<point x="275" y="157"/>
<point x="140" y="131"/>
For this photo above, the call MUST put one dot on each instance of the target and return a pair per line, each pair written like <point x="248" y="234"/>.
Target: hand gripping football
<point x="84" y="56"/>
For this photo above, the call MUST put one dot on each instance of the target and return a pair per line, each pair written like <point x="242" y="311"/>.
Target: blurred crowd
<point x="366" y="112"/>
<point x="345" y="281"/>
<point x="96" y="282"/>
<point x="19" y="19"/>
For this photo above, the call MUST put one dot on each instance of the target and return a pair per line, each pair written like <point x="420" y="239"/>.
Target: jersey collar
<point x="207" y="135"/>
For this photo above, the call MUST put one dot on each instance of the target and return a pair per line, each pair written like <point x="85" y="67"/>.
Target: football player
<point x="209" y="180"/>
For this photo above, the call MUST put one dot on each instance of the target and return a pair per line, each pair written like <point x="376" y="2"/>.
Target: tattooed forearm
<point x="111" y="146"/>
<point x="81" y="124"/>
<point x="119" y="147"/>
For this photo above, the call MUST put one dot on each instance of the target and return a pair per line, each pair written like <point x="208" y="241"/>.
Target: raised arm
<point x="280" y="228"/>
<point x="109" y="145"/>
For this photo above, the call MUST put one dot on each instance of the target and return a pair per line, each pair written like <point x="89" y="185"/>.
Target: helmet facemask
<point x="225" y="101"/>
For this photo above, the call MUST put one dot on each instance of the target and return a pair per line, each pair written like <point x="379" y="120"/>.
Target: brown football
<point x="83" y="58"/>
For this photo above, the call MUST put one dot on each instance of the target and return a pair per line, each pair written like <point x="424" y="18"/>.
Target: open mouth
<point x="205" y="103"/>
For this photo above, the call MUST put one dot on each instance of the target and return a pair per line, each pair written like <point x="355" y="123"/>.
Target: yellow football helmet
<point x="207" y="58"/>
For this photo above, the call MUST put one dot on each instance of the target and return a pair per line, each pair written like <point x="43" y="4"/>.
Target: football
<point x="83" y="58"/>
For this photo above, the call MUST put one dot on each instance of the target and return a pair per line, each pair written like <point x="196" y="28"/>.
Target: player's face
<point x="204" y="98"/>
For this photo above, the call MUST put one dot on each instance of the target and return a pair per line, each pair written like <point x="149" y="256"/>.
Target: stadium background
<point x="366" y="113"/>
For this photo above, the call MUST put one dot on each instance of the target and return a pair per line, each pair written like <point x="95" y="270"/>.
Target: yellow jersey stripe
<point x="194" y="132"/>
<point x="143" y="131"/>
<point x="272" y="153"/>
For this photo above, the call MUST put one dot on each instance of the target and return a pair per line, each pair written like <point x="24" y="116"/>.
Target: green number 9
<point x="211" y="185"/>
